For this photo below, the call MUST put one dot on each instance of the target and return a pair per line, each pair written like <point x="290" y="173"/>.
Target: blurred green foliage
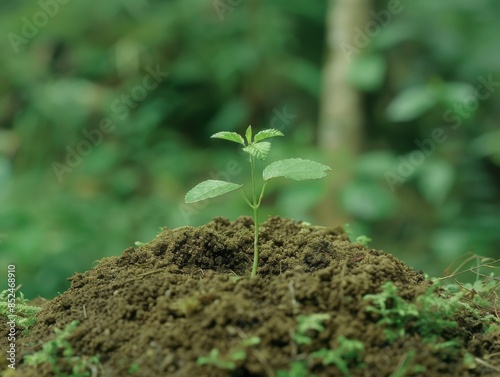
<point x="441" y="71"/>
<point x="254" y="63"/>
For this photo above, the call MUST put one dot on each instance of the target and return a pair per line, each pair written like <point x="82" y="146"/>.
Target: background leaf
<point x="296" y="169"/>
<point x="367" y="200"/>
<point x="209" y="189"/>
<point x="252" y="71"/>
<point x="412" y="103"/>
<point x="367" y="72"/>
<point x="435" y="180"/>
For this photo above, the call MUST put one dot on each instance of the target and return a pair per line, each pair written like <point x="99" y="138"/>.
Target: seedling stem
<point x="293" y="168"/>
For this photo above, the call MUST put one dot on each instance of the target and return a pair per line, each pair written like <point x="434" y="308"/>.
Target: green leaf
<point x="367" y="199"/>
<point x="301" y="339"/>
<point x="311" y="322"/>
<point x="296" y="169"/>
<point x="239" y="355"/>
<point x="252" y="341"/>
<point x="436" y="179"/>
<point x="264" y="134"/>
<point x="297" y="369"/>
<point x="209" y="189"/>
<point x="258" y="150"/>
<point x="367" y="72"/>
<point x="412" y="103"/>
<point x="231" y="136"/>
<point x="248" y="134"/>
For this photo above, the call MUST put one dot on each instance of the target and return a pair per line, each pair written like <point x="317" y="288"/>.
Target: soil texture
<point x="156" y="309"/>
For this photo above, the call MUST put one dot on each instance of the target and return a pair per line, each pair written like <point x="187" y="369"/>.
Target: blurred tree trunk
<point x="341" y="111"/>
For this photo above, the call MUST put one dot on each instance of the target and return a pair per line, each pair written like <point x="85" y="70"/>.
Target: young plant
<point x="25" y="313"/>
<point x="227" y="362"/>
<point x="230" y="360"/>
<point x="430" y="316"/>
<point x="394" y="311"/>
<point x="294" y="168"/>
<point x="51" y="352"/>
<point x="348" y="350"/>
<point x="306" y="323"/>
<point x="297" y="369"/>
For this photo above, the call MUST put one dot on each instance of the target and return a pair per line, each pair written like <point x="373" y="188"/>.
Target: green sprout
<point x="348" y="350"/>
<point x="215" y="359"/>
<point x="394" y="311"/>
<point x="230" y="360"/>
<point x="297" y="369"/>
<point x="306" y="323"/>
<point x="25" y="314"/>
<point x="59" y="353"/>
<point x="294" y="168"/>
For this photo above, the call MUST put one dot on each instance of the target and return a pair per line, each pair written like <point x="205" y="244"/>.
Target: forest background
<point x="106" y="108"/>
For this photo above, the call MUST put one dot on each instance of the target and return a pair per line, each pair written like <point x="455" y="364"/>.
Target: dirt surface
<point x="154" y="310"/>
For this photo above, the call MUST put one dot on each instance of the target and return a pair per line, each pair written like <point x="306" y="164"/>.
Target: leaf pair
<point x="254" y="146"/>
<point x="292" y="168"/>
<point x="237" y="138"/>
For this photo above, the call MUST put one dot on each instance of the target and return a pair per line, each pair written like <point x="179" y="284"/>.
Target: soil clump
<point x="155" y="309"/>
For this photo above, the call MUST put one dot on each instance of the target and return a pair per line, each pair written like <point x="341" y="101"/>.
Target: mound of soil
<point x="154" y="310"/>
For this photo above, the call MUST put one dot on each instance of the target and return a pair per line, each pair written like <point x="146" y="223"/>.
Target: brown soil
<point x="160" y="306"/>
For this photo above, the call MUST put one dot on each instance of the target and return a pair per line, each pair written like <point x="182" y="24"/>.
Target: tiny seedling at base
<point x="292" y="168"/>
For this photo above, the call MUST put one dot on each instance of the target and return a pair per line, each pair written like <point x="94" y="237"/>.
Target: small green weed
<point x="436" y="310"/>
<point x="133" y="368"/>
<point x="257" y="149"/>
<point x="306" y="323"/>
<point x="482" y="295"/>
<point x="297" y="369"/>
<point x="435" y="313"/>
<point x="362" y="239"/>
<point x="346" y="352"/>
<point x="229" y="361"/>
<point x="25" y="313"/>
<point x="395" y="312"/>
<point x="223" y="362"/>
<point x="430" y="316"/>
<point x="59" y="353"/>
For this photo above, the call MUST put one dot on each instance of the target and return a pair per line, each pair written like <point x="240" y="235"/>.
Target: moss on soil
<point x="155" y="309"/>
